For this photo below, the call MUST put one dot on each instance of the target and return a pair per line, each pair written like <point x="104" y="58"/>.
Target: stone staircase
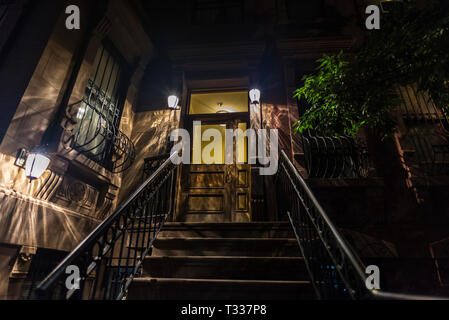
<point x="224" y="261"/>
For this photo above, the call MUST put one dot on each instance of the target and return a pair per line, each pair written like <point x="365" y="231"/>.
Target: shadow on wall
<point x="151" y="134"/>
<point x="277" y="117"/>
<point x="27" y="221"/>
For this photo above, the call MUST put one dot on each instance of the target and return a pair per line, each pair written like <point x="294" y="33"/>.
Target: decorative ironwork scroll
<point x="331" y="157"/>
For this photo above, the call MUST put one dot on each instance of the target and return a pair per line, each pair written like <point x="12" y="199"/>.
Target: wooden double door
<point x="217" y="192"/>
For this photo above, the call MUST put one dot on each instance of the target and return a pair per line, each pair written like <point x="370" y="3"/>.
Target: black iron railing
<point x="112" y="255"/>
<point x="332" y="157"/>
<point x="335" y="271"/>
<point x="151" y="164"/>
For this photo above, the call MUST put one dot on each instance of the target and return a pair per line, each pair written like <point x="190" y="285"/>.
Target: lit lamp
<point x="173" y="102"/>
<point x="254" y="96"/>
<point x="34" y="163"/>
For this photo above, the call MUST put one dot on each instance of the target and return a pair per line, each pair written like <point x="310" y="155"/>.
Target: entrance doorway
<point x="213" y="189"/>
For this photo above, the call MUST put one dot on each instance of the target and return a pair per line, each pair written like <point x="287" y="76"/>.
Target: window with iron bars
<point x="100" y="111"/>
<point x="426" y="139"/>
<point x="42" y="264"/>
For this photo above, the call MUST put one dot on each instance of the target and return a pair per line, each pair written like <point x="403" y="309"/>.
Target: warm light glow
<point x="218" y="102"/>
<point x="173" y="102"/>
<point x="226" y="110"/>
<point x="254" y="96"/>
<point x="81" y="113"/>
<point x="36" y="165"/>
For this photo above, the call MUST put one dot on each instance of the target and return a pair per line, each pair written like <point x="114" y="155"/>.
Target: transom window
<point x="219" y="102"/>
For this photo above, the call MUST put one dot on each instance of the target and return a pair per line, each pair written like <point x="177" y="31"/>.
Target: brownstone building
<point x="94" y="102"/>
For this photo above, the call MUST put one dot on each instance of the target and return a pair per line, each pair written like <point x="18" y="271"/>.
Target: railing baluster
<point x="335" y="271"/>
<point x="123" y="240"/>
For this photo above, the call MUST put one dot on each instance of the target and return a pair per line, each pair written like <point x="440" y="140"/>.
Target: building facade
<point x="95" y="100"/>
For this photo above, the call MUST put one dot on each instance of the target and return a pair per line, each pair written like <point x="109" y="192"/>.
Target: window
<point x="418" y="105"/>
<point x="219" y="102"/>
<point x="100" y="111"/>
<point x="42" y="264"/>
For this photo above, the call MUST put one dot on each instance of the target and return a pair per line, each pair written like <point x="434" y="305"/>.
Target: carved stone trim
<point x="49" y="187"/>
<point x="77" y="195"/>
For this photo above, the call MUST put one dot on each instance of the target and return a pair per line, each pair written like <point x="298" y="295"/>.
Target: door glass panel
<point x="242" y="144"/>
<point x="214" y="152"/>
<point x="209" y="152"/>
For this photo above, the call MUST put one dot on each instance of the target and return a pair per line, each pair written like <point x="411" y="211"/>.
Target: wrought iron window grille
<point x="332" y="157"/>
<point x="427" y="131"/>
<point x="97" y="134"/>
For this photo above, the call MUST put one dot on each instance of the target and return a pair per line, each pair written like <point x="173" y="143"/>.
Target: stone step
<point x="229" y="290"/>
<point x="240" y="247"/>
<point x="217" y="230"/>
<point x="237" y="268"/>
<point x="227" y="230"/>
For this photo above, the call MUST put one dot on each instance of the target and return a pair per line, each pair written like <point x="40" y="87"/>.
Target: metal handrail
<point x="146" y="203"/>
<point x="152" y="163"/>
<point x="335" y="270"/>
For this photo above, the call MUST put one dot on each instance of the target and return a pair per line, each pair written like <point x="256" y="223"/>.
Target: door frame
<point x="186" y="122"/>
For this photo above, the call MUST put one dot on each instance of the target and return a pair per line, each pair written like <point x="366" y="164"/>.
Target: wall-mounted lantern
<point x="254" y="96"/>
<point x="173" y="102"/>
<point x="35" y="163"/>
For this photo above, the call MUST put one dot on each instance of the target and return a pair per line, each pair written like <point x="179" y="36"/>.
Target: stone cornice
<point x="217" y="51"/>
<point x="252" y="51"/>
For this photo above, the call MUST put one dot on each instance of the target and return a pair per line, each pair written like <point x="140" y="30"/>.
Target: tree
<point x="359" y="90"/>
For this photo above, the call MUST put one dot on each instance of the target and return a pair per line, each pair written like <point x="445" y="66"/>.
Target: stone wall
<point x="150" y="135"/>
<point x="58" y="210"/>
<point x="27" y="215"/>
